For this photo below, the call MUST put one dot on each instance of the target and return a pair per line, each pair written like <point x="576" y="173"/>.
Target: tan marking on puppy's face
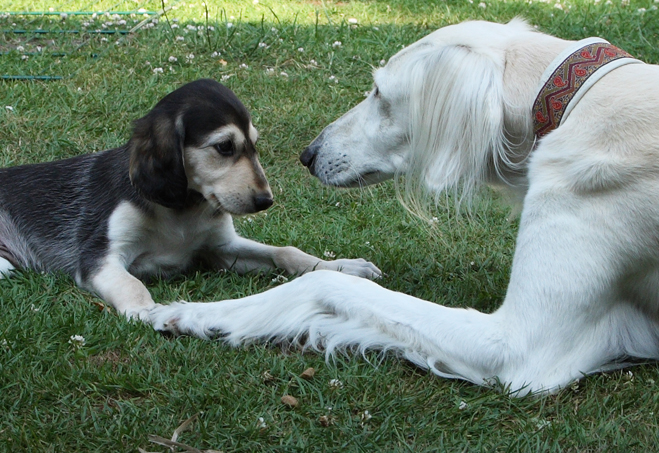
<point x="225" y="169"/>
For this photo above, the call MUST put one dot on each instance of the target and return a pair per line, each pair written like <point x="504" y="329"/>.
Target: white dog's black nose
<point x="308" y="157"/>
<point x="262" y="202"/>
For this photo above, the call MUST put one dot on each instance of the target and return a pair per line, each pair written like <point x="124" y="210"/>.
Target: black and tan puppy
<point x="151" y="207"/>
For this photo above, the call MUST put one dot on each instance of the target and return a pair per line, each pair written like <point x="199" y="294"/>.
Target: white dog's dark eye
<point x="225" y="148"/>
<point x="376" y="91"/>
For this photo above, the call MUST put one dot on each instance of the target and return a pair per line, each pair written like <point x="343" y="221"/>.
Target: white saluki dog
<point x="454" y="111"/>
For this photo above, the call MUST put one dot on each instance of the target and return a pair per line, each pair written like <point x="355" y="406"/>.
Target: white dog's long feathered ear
<point x="456" y="117"/>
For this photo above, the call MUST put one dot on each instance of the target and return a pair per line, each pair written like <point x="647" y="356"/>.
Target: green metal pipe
<point x="41" y="31"/>
<point x="75" y="13"/>
<point x="29" y="77"/>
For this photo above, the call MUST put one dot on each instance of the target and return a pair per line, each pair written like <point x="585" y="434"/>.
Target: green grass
<point x="128" y="382"/>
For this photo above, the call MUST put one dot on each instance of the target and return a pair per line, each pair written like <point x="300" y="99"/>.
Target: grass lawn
<point x="297" y="65"/>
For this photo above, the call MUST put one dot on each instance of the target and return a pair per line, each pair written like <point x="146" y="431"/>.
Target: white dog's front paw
<point x="358" y="267"/>
<point x="172" y="319"/>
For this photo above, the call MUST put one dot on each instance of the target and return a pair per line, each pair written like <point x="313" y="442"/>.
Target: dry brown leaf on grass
<point x="308" y="374"/>
<point x="289" y="401"/>
<point x="173" y="443"/>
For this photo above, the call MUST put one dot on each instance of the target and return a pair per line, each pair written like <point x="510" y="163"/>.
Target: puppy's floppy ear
<point x="156" y="159"/>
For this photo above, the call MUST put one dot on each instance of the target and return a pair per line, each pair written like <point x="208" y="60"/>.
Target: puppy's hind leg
<point x="5" y="268"/>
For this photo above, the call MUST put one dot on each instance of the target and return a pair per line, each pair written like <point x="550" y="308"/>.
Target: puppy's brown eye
<point x="225" y="148"/>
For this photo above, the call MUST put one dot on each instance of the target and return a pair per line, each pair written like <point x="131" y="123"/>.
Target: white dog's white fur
<point x="454" y="111"/>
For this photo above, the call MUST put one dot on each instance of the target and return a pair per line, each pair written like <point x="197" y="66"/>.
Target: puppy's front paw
<point x="358" y="267"/>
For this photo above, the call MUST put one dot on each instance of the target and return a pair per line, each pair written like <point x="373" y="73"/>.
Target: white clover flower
<point x="482" y="5"/>
<point x="366" y="416"/>
<point x="157" y="70"/>
<point x="366" y="93"/>
<point x="270" y="71"/>
<point x="20" y="48"/>
<point x="189" y="57"/>
<point x="329" y="254"/>
<point x="283" y="74"/>
<point x="641" y="10"/>
<point x="542" y="424"/>
<point x="4" y="344"/>
<point x="225" y="77"/>
<point x="300" y="49"/>
<point x="335" y="384"/>
<point x="273" y="29"/>
<point x="624" y="2"/>
<point x="33" y="308"/>
<point x="121" y="22"/>
<point x="191" y="27"/>
<point x="558" y="6"/>
<point x="77" y="341"/>
<point x="215" y="54"/>
<point x="383" y="62"/>
<point x="229" y="25"/>
<point x="172" y="59"/>
<point x="261" y="423"/>
<point x="174" y="25"/>
<point x="210" y="28"/>
<point x="314" y="62"/>
<point x="263" y="45"/>
<point x="25" y="57"/>
<point x="336" y="44"/>
<point x="333" y="79"/>
<point x="63" y="16"/>
<point x="243" y="66"/>
<point x="463" y="405"/>
<point x="352" y="20"/>
<point x="180" y="38"/>
<point x="434" y="220"/>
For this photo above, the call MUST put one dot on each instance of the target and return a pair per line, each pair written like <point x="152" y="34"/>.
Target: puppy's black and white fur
<point x="154" y="206"/>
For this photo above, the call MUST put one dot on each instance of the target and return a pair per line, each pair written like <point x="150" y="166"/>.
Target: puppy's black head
<point x="180" y="119"/>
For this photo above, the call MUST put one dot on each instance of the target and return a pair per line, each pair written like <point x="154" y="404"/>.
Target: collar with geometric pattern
<point x="569" y="76"/>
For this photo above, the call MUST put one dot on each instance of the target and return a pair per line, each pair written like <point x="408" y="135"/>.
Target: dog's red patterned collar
<point x="568" y="78"/>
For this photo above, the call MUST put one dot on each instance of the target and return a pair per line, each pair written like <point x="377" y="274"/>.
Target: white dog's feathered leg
<point x="332" y="310"/>
<point x="557" y="322"/>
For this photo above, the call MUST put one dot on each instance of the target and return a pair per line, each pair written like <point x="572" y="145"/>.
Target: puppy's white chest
<point x="165" y="243"/>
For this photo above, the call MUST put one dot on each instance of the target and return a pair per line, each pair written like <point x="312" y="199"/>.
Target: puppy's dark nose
<point x="308" y="157"/>
<point x="262" y="202"/>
